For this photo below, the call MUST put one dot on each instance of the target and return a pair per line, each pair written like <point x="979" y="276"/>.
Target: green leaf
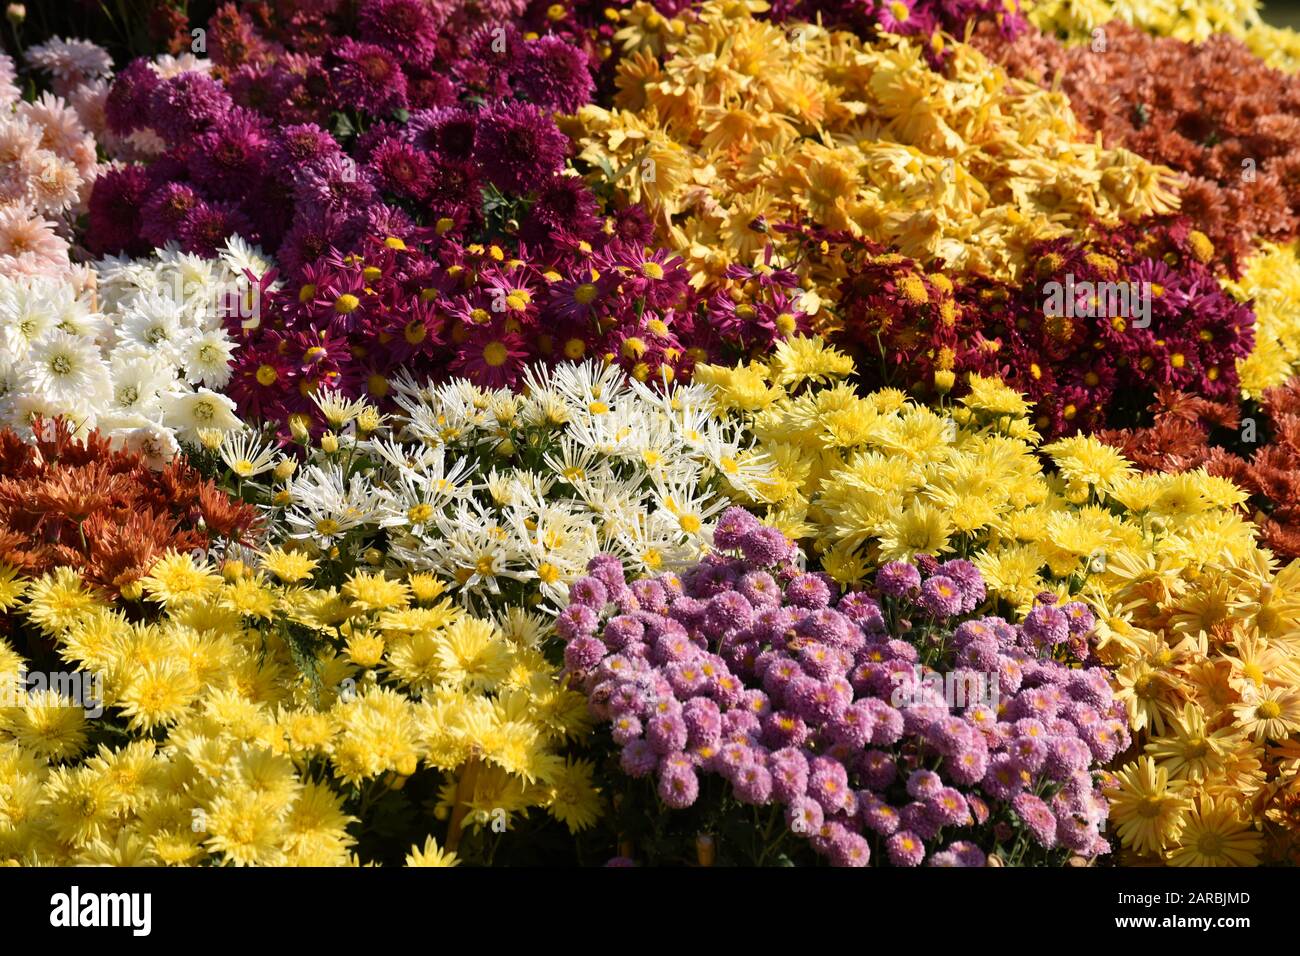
<point x="343" y="127"/>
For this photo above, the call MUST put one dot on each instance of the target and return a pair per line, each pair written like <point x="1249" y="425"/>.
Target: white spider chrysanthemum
<point x="325" y="506"/>
<point x="590" y="387"/>
<point x="691" y="508"/>
<point x="581" y="464"/>
<point x="245" y="454"/>
<point x="473" y="550"/>
<point x="189" y="412"/>
<point x="576" y="465"/>
<point x="337" y="409"/>
<point x="67" y="369"/>
<point x="557" y="542"/>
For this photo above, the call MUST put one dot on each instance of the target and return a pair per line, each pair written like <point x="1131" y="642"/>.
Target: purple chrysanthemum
<point x="1046" y="626"/>
<point x="808" y="591"/>
<point x="1037" y="818"/>
<point x="407" y="27"/>
<point x="765" y="547"/>
<point x="678" y="787"/>
<point x="553" y="74"/>
<point x="583" y="653"/>
<point x="576" y="620"/>
<point x="906" y="849"/>
<point x="940" y="596"/>
<point x="127" y="107"/>
<point x="366" y="76"/>
<point x="897" y="579"/>
<point x="520" y="147"/>
<point x="182" y="107"/>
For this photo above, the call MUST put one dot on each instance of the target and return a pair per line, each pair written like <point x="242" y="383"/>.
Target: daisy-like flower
<point x="467" y="546"/>
<point x="337" y="409"/>
<point x="691" y="508"/>
<point x="1146" y="807"/>
<point x="1271" y="713"/>
<point x="1216" y="834"/>
<point x="245" y="455"/>
<point x="326" y="506"/>
<point x="1192" y="751"/>
<point x="590" y="388"/>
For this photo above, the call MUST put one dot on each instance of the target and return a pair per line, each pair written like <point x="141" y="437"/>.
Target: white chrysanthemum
<point x="156" y="444"/>
<point x="325" y="506"/>
<point x="75" y="315"/>
<point x="28" y="406"/>
<point x="72" y="60"/>
<point x="240" y="257"/>
<point x="28" y="310"/>
<point x="167" y="66"/>
<point x="188" y="412"/>
<point x="138" y="384"/>
<point x="191" y="281"/>
<point x="206" y="358"/>
<point x="152" y="325"/>
<point x="67" y="369"/>
<point x="121" y="278"/>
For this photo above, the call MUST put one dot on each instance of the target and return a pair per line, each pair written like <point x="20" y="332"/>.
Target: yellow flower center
<point x="1269" y="710"/>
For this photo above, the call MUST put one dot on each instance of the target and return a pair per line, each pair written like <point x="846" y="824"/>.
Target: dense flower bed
<point x="697" y="433"/>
